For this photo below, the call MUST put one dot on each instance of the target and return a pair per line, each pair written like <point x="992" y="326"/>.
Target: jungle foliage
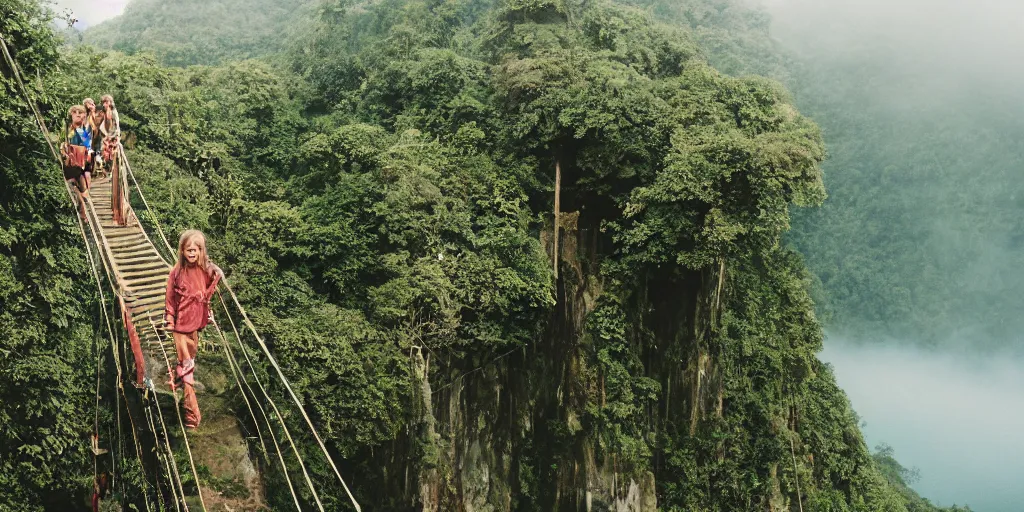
<point x="47" y="301"/>
<point x="388" y="192"/>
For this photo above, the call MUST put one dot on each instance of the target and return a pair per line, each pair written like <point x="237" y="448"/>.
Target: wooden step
<point x="128" y="242"/>
<point x="109" y="226"/>
<point x="142" y="317"/>
<point x="140" y="274"/>
<point x="145" y="300"/>
<point x="144" y="265"/>
<point x="148" y="305"/>
<point x="139" y="258"/>
<point x="146" y="282"/>
<point x="137" y="304"/>
<point x="127" y="245"/>
<point x="149" y="289"/>
<point x="138" y="282"/>
<point x="120" y="232"/>
<point x="140" y="252"/>
<point x="136" y="258"/>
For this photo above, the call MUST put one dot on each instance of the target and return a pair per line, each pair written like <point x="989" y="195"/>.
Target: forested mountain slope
<point x="384" y="208"/>
<point x="920" y="241"/>
<point x="186" y="32"/>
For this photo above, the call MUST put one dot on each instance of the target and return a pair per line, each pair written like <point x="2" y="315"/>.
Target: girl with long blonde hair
<point x="110" y="129"/>
<point x="77" y="149"/>
<point x="190" y="285"/>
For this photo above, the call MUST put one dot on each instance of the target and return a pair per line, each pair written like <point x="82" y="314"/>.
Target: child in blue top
<point x="77" y="150"/>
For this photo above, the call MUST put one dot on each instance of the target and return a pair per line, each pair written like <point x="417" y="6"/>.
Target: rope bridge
<point x="136" y="274"/>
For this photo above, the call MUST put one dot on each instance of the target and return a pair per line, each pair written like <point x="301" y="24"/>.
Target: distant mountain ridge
<point x="189" y="32"/>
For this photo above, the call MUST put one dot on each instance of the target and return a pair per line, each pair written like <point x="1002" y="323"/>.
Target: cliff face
<point x="675" y="367"/>
<point x="524" y="432"/>
<point x="510" y="436"/>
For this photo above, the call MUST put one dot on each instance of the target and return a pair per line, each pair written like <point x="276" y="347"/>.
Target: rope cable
<point x="265" y="395"/>
<point x="169" y="454"/>
<point x="181" y="422"/>
<point x="171" y="471"/>
<point x="159" y="229"/>
<point x="233" y="362"/>
<point x="273" y="405"/>
<point x="284" y="380"/>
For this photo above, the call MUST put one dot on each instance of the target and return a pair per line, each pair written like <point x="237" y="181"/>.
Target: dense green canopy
<point x="382" y="190"/>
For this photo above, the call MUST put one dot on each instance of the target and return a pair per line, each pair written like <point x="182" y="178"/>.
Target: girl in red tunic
<point x="187" y="310"/>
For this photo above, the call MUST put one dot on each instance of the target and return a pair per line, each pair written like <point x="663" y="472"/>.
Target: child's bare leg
<point x="81" y="203"/>
<point x="187" y="345"/>
<point x="181" y="346"/>
<point x="192" y="344"/>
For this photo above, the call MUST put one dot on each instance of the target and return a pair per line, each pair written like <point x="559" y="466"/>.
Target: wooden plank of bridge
<point x="140" y="273"/>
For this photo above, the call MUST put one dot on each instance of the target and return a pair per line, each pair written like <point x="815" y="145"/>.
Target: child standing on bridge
<point x="76" y="149"/>
<point x="190" y="286"/>
<point x="111" y="129"/>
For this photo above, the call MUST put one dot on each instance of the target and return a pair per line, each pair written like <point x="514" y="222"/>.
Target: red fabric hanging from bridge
<point x="133" y="337"/>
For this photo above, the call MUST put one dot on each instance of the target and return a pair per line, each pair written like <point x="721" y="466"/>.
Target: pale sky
<point x="92" y="12"/>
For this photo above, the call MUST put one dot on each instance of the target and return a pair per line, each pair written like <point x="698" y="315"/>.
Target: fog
<point x="943" y="78"/>
<point x="926" y="97"/>
<point x="957" y="42"/>
<point x="958" y="419"/>
<point x="91" y="12"/>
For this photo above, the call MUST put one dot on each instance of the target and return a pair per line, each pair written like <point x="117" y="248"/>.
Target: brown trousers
<point x="187" y="345"/>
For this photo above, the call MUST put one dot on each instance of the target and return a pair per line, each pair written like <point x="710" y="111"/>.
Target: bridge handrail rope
<point x="236" y="373"/>
<point x="171" y="462"/>
<point x="280" y="417"/>
<point x="287" y="386"/>
<point x="162" y="455"/>
<point x="236" y="370"/>
<point x="266" y="395"/>
<point x="152" y="213"/>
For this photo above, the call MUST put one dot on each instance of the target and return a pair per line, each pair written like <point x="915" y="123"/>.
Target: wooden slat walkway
<point x="140" y="274"/>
